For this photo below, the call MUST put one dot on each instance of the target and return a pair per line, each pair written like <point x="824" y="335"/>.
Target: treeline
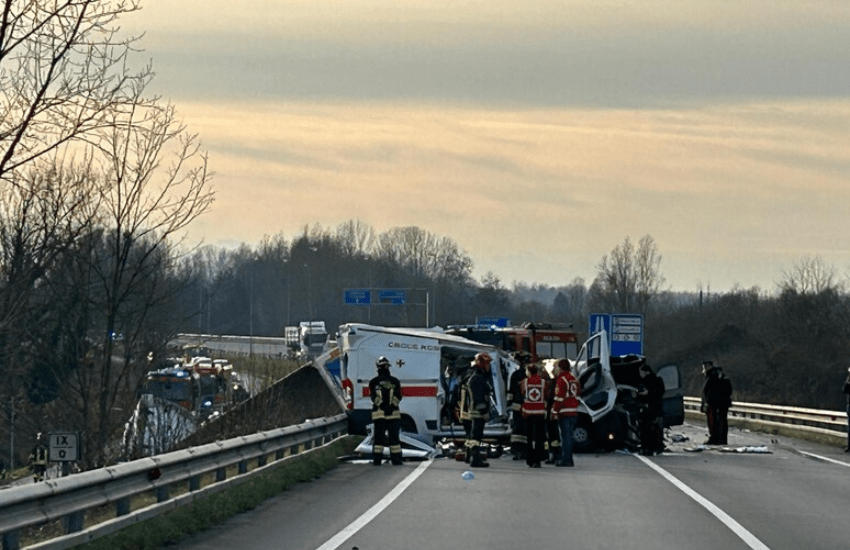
<point x="786" y="345"/>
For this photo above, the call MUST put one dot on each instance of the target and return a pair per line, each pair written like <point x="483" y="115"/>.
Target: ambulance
<point x="431" y="366"/>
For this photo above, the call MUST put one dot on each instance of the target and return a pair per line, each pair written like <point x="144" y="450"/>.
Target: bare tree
<point x="63" y="75"/>
<point x="423" y="254"/>
<point x="356" y="238"/>
<point x="145" y="206"/>
<point x="810" y="275"/>
<point x="66" y="93"/>
<point x="629" y="278"/>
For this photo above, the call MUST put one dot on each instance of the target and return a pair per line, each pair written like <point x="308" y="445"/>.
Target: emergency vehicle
<point x="430" y="365"/>
<point x="541" y="340"/>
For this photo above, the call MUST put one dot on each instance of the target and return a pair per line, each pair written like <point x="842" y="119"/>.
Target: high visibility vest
<point x="534" y="396"/>
<point x="566" y="395"/>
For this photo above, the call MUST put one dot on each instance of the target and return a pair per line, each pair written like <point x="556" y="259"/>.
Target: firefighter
<point x="514" y="401"/>
<point x="38" y="459"/>
<point x="385" y="392"/>
<point x="565" y="409"/>
<point x="475" y="406"/>
<point x="651" y="417"/>
<point x="533" y="407"/>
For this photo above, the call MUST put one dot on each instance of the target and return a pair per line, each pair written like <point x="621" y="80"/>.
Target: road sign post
<point x="625" y="331"/>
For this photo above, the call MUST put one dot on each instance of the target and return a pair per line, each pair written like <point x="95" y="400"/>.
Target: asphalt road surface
<point x="761" y="492"/>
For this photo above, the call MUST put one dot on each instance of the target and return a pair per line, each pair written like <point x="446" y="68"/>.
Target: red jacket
<point x="533" y="391"/>
<point x="566" y="395"/>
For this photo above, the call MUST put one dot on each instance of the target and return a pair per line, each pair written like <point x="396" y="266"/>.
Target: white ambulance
<point x="430" y="365"/>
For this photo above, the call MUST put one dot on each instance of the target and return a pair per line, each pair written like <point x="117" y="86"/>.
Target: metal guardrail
<point x="69" y="498"/>
<point x="811" y="420"/>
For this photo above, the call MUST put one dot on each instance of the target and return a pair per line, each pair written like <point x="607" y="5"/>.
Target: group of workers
<point x="543" y="403"/>
<point x="544" y="408"/>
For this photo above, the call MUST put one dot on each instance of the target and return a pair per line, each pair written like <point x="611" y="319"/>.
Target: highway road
<point x="762" y="492"/>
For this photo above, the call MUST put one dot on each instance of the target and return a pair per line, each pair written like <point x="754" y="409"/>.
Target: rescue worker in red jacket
<point x="548" y="373"/>
<point x="565" y="409"/>
<point x="519" y="441"/>
<point x="533" y="390"/>
<point x="475" y="405"/>
<point x="385" y="392"/>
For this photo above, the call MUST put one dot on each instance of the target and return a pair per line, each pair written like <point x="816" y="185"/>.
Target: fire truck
<point x="541" y="340"/>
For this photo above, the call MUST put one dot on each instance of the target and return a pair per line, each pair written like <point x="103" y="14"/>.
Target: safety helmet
<point x="483" y="360"/>
<point x="382" y="363"/>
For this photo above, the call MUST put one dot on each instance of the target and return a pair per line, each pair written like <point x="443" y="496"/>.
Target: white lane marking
<point x="727" y="520"/>
<point x="840" y="463"/>
<point x="372" y="512"/>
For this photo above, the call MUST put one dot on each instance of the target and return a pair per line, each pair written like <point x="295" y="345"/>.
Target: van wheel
<point x="583" y="435"/>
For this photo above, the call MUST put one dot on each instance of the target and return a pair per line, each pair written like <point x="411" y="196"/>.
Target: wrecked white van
<point x="430" y="365"/>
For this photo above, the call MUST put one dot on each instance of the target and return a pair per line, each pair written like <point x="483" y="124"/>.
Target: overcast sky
<point x="537" y="135"/>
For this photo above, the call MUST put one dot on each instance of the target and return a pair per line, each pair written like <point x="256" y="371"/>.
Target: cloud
<point x="568" y="54"/>
<point x="540" y="196"/>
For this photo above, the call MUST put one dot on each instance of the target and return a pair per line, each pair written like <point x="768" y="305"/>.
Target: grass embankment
<point x="207" y="512"/>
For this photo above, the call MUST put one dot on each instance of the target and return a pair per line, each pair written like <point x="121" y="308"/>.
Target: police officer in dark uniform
<point x="476" y="406"/>
<point x="716" y="400"/>
<point x="385" y="392"/>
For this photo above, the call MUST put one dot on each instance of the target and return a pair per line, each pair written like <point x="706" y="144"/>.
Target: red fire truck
<point x="541" y="340"/>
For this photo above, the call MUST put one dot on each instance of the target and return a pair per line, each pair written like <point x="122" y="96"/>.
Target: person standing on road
<point x="519" y="439"/>
<point x="716" y="400"/>
<point x="847" y="395"/>
<point x="476" y="406"/>
<point x="651" y="416"/>
<point x="549" y="372"/>
<point x="385" y="392"/>
<point x="533" y="389"/>
<point x="38" y="459"/>
<point x="565" y="409"/>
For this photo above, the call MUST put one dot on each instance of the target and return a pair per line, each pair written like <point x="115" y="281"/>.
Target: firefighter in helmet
<point x="514" y="401"/>
<point x="38" y="459"/>
<point x="476" y="407"/>
<point x="385" y="392"/>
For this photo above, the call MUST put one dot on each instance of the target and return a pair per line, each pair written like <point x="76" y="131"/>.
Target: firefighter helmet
<point x="382" y="363"/>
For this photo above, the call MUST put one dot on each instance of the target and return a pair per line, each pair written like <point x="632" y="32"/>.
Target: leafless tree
<point x="356" y="238"/>
<point x="66" y="93"/>
<point x="423" y="254"/>
<point x="810" y="275"/>
<point x="629" y="278"/>
<point x="63" y="75"/>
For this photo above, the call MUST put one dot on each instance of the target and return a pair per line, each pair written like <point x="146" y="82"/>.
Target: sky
<point x="537" y="135"/>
